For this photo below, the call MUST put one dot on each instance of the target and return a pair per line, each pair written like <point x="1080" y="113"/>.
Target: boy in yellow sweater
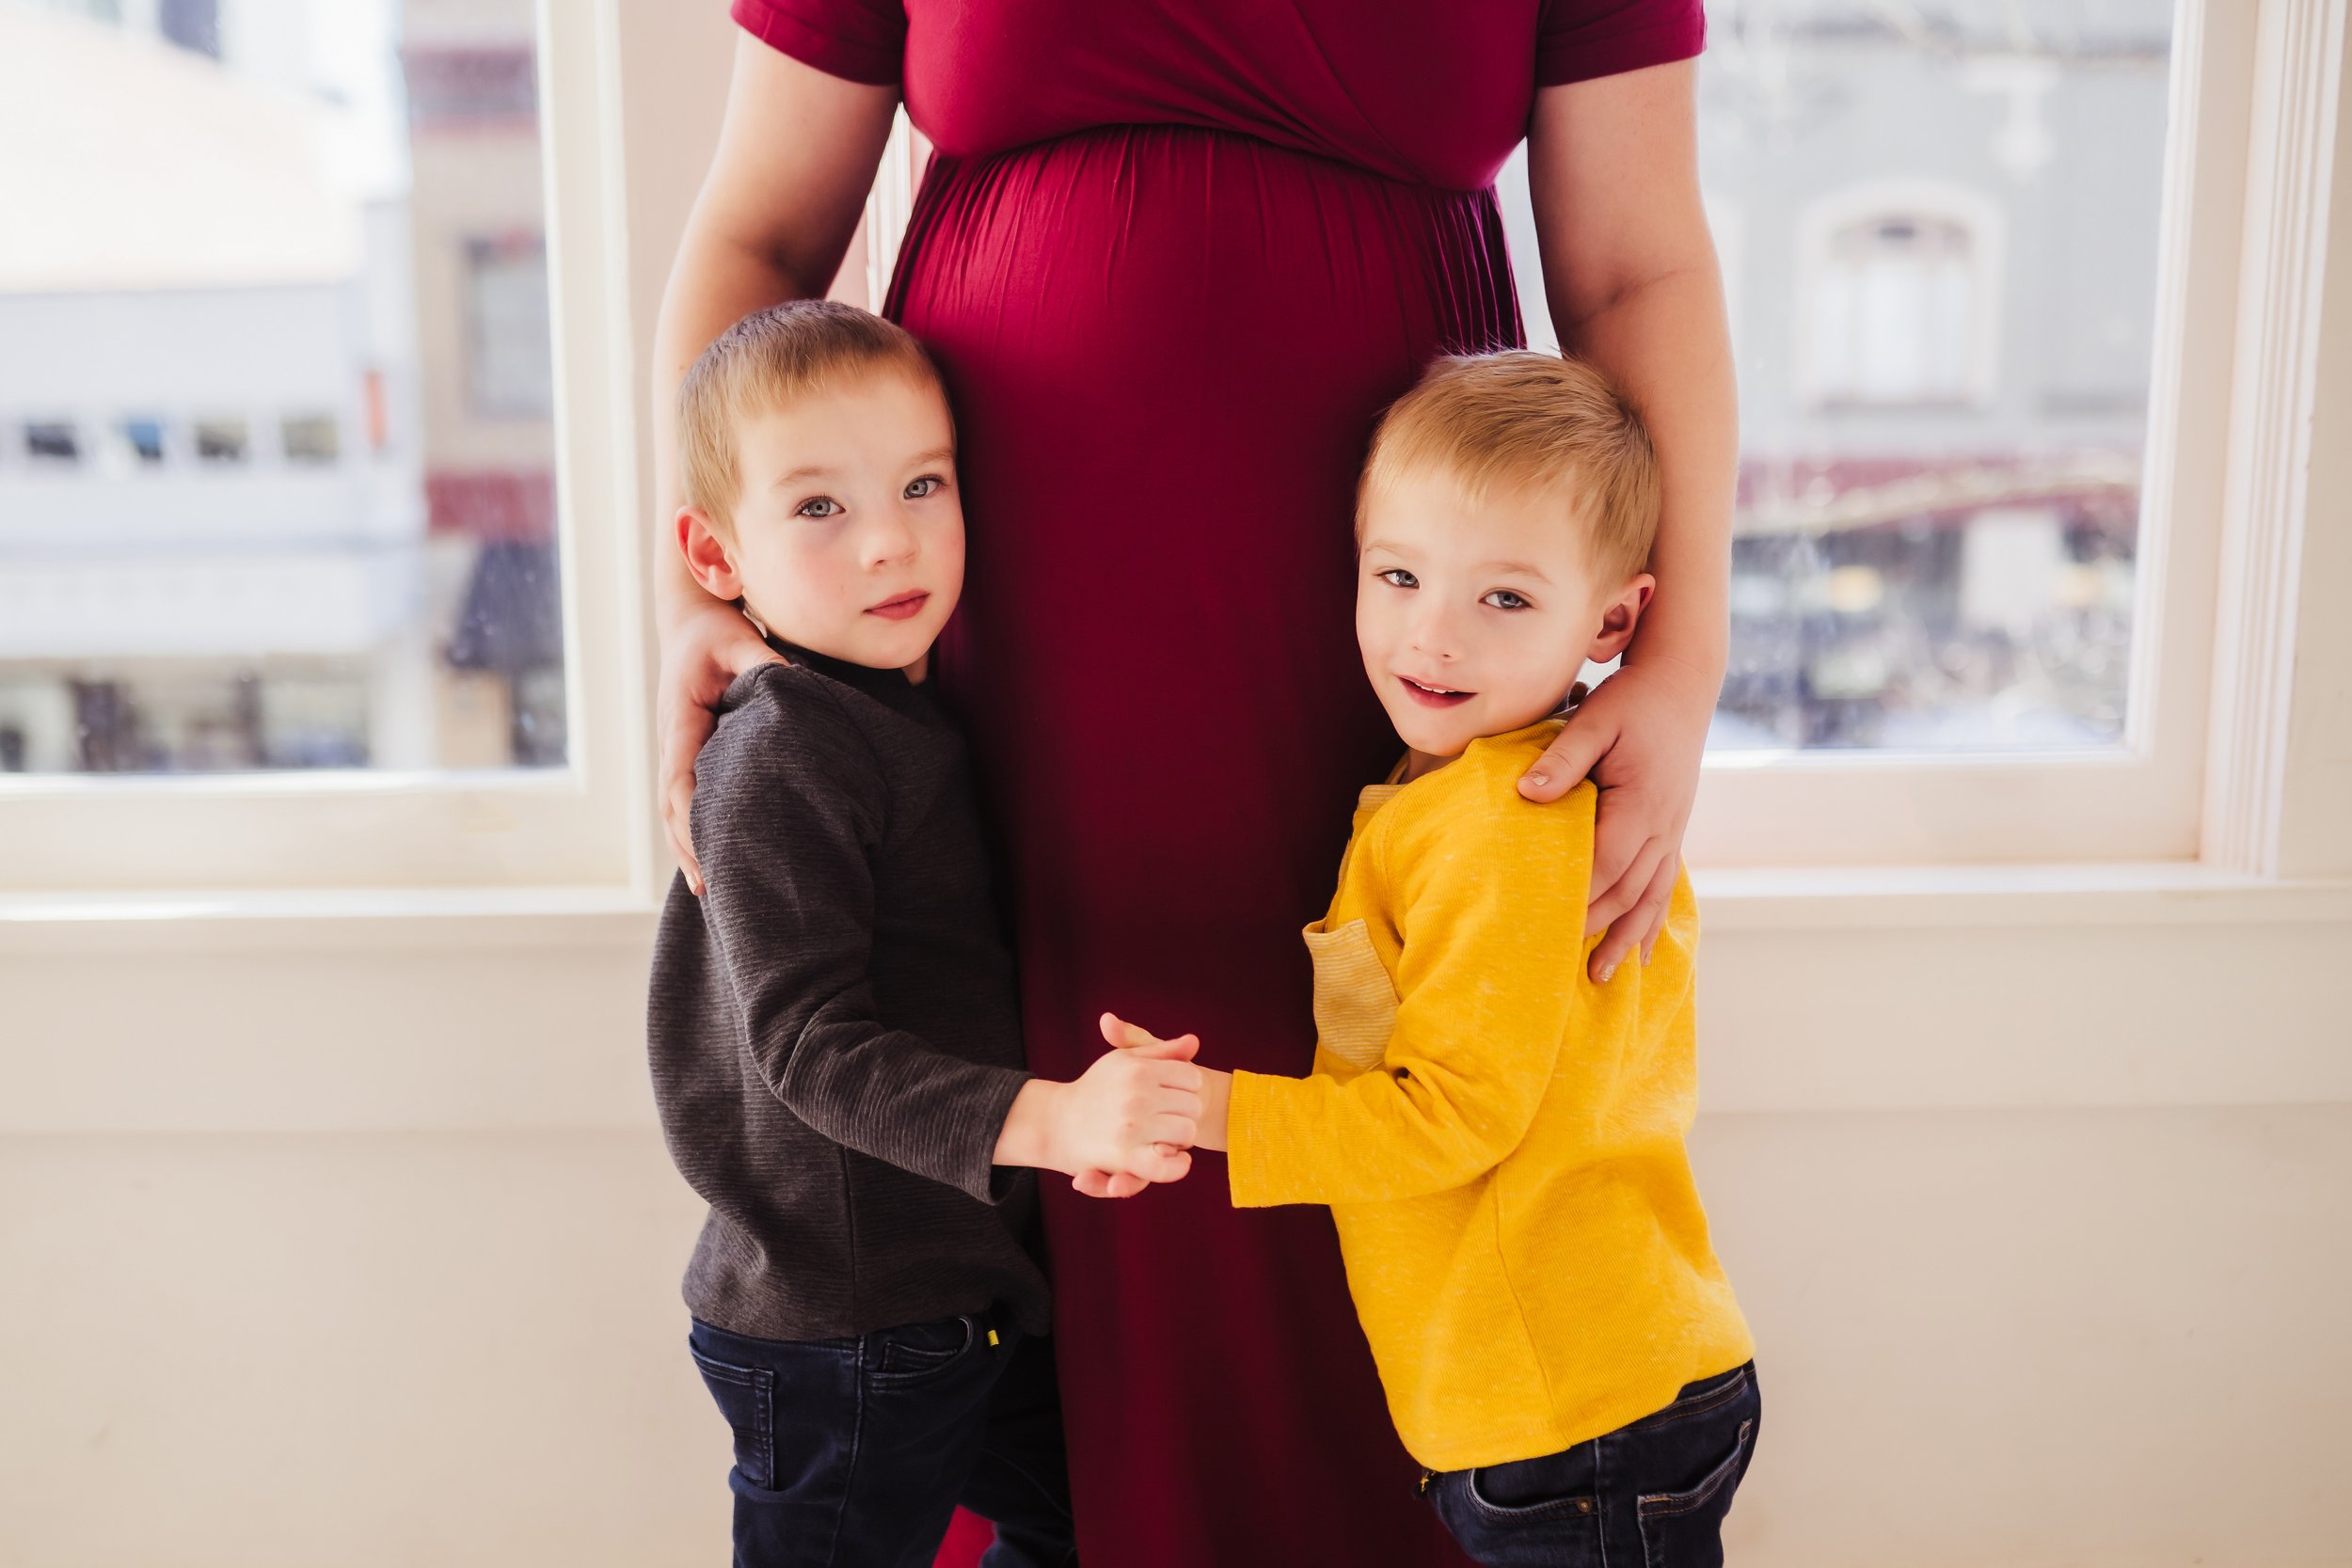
<point x="1499" y="1138"/>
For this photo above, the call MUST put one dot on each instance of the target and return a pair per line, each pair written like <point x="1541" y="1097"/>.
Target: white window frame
<point x="2228" y="441"/>
<point x="2195" y="788"/>
<point x="587" y="827"/>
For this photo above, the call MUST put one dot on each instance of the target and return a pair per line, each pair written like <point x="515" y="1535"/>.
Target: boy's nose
<point x="1431" y="633"/>
<point x="889" y="539"/>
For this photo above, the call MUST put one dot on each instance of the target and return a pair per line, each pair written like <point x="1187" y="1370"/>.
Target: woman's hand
<point x="1640" y="734"/>
<point x="704" y="645"/>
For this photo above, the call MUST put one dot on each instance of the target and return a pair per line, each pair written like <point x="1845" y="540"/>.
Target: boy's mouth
<point x="901" y="607"/>
<point x="1433" y="696"/>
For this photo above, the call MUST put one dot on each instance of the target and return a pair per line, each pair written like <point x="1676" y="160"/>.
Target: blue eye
<point x="1518" y="601"/>
<point x="917" y="489"/>
<point x="1397" y="577"/>
<point x="819" y="506"/>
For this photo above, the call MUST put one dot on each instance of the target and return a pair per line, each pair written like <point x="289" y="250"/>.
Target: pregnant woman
<point x="1174" y="258"/>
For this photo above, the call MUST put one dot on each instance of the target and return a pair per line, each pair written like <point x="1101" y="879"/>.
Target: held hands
<point x="1127" y="1121"/>
<point x="1640" y="733"/>
<point x="1210" y="1130"/>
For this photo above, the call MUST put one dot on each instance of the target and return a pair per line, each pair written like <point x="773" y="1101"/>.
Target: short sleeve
<point x="858" y="40"/>
<point x="1579" y="40"/>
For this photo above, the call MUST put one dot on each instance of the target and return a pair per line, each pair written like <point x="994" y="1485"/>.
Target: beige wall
<point x="351" y="1241"/>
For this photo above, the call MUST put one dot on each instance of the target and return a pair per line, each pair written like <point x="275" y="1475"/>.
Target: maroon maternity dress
<point x="1174" y="256"/>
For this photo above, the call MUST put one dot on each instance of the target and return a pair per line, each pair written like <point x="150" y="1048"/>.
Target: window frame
<point x="2228" y="446"/>
<point x="2144" y="800"/>
<point x="585" y="827"/>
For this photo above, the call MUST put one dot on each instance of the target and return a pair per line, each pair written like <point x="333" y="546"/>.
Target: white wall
<point x="351" y="1240"/>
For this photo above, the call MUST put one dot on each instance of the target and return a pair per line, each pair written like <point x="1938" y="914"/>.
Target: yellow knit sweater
<point x="1499" y="1139"/>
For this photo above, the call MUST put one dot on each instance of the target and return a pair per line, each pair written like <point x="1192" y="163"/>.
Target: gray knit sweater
<point x="833" y="1025"/>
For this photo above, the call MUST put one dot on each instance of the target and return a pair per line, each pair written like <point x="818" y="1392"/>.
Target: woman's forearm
<point x="1630" y="275"/>
<point x="1667" y="343"/>
<point x="713" y="284"/>
<point x="796" y="155"/>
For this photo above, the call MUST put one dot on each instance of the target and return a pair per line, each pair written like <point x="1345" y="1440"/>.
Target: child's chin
<point x="1429" y="739"/>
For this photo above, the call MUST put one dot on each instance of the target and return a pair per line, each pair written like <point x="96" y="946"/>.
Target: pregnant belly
<point x="1166" y="348"/>
<point x="1149" y="264"/>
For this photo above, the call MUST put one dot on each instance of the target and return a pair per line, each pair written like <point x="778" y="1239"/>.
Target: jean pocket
<point x="1529" y="1513"/>
<point x="919" y="1351"/>
<point x="1685" y="1529"/>
<point x="746" y="1396"/>
<point x="1703" y="1397"/>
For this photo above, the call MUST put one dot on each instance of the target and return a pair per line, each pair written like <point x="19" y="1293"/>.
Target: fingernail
<point x="1607" y="972"/>
<point x="1539" y="780"/>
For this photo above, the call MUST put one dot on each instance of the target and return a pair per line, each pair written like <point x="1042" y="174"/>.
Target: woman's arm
<point x="1630" y="273"/>
<point x="796" y="156"/>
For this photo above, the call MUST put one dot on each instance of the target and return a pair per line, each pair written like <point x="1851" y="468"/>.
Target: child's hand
<point x="1118" y="1033"/>
<point x="1128" y="1120"/>
<point x="1126" y="1036"/>
<point x="1216" y="1088"/>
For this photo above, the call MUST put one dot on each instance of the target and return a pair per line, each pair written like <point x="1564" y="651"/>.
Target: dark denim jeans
<point x="1654" y="1493"/>
<point x="853" y="1453"/>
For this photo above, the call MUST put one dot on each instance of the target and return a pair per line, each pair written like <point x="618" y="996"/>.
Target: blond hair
<point x="765" y="360"/>
<point x="1521" y="420"/>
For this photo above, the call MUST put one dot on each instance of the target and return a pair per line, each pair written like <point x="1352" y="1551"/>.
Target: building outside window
<point x="508" y="356"/>
<point x="1948" y="223"/>
<point x="292" y="385"/>
<point x="1899" y="312"/>
<point x="1939" y="225"/>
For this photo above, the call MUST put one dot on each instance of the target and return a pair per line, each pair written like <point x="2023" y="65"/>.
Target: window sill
<point x="1737" y="900"/>
<point x="393" y="919"/>
<point x="1956" y="896"/>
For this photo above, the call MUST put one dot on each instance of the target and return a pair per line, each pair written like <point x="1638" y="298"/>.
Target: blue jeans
<point x="853" y="1453"/>
<point x="1654" y="1493"/>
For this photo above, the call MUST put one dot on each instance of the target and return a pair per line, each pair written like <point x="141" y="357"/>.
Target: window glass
<point x="1939" y="226"/>
<point x="138" y="442"/>
<point x="291" y="385"/>
<point x="312" y="438"/>
<point x="221" y="440"/>
<point x="508" y="362"/>
<point x="53" y="441"/>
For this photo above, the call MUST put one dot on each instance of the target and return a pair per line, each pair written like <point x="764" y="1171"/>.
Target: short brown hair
<point x="764" y="361"/>
<point x="1525" y="421"/>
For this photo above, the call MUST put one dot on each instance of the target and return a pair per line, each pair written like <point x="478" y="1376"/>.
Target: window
<point x="1937" y="546"/>
<point x="315" y="623"/>
<point x="326" y="268"/>
<point x="1898" y="307"/>
<point x="221" y="441"/>
<point x="139" y="442"/>
<point x="314" y="439"/>
<point x="507" y="353"/>
<point x="1987" y="305"/>
<point x="51" y="441"/>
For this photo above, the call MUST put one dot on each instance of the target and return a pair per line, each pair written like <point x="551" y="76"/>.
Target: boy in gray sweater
<point x="833" y="1025"/>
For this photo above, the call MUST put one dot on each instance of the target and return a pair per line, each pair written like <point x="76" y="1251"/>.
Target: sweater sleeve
<point x="789" y="801"/>
<point x="1490" y="904"/>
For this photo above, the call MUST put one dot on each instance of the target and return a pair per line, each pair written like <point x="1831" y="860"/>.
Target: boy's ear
<point x="706" y="555"/>
<point x="1620" y="614"/>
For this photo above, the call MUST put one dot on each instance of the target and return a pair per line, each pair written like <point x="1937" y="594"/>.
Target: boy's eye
<point x="1397" y="577"/>
<point x="1515" y="601"/>
<point x="818" y="506"/>
<point x="917" y="489"/>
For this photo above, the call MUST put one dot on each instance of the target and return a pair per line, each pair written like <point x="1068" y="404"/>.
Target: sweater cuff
<point x="1263" y="1140"/>
<point x="979" y="1175"/>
